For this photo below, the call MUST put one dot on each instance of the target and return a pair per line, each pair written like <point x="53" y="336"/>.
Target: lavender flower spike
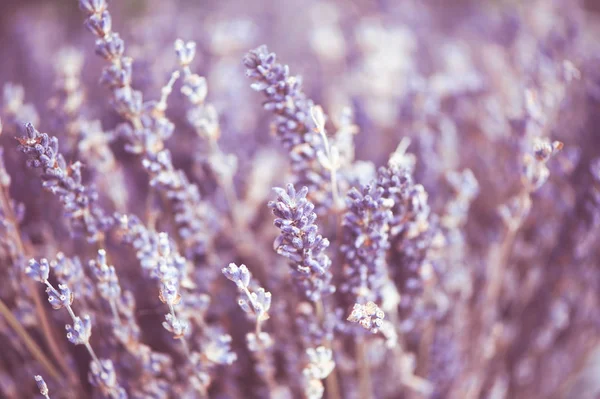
<point x="293" y="123"/>
<point x="285" y="97"/>
<point x="78" y="200"/>
<point x="301" y="242"/>
<point x="366" y="240"/>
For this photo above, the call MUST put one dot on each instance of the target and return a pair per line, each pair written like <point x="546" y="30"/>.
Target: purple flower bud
<point x="80" y="332"/>
<point x="63" y="297"/>
<point x="39" y="271"/>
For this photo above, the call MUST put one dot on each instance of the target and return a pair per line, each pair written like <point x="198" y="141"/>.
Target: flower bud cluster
<point x="102" y="372"/>
<point x="146" y="130"/>
<point x="366" y="241"/>
<point x="161" y="261"/>
<point x="320" y="365"/>
<point x="256" y="302"/>
<point x="293" y="123"/>
<point x="79" y="201"/>
<point x="301" y="242"/>
<point x="369" y="316"/>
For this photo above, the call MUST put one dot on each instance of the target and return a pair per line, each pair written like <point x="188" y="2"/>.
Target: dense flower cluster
<point x="293" y="123"/>
<point x="64" y="180"/>
<point x="301" y="242"/>
<point x="147" y="128"/>
<point x="366" y="241"/>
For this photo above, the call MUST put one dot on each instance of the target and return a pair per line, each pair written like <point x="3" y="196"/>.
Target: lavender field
<point x="395" y="199"/>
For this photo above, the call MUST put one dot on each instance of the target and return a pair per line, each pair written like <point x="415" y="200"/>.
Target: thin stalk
<point x="495" y="278"/>
<point x="258" y="315"/>
<point x="364" y="376"/>
<point x="260" y="355"/>
<point x="497" y="267"/>
<point x="167" y="90"/>
<point x="33" y="348"/>
<point x="427" y="336"/>
<point x="319" y="120"/>
<point x="332" y="169"/>
<point x="48" y="332"/>
<point x="331" y="382"/>
<point x="115" y="313"/>
<point x="184" y="343"/>
<point x="231" y="199"/>
<point x="151" y="214"/>
<point x="92" y="353"/>
<point x="424" y="348"/>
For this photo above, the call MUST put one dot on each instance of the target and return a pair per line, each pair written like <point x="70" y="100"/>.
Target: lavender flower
<point x="293" y="123"/>
<point x="69" y="97"/>
<point x="102" y="375"/>
<point x="160" y="260"/>
<point x="78" y="333"/>
<point x="256" y="302"/>
<point x="63" y="297"/>
<point x="239" y="275"/>
<point x="218" y="350"/>
<point x="69" y="271"/>
<point x="78" y="200"/>
<point x="535" y="171"/>
<point x="203" y="117"/>
<point x="189" y="213"/>
<point x="301" y="242"/>
<point x="16" y="111"/>
<point x="465" y="268"/>
<point x="81" y="330"/>
<point x="107" y="281"/>
<point x="284" y="97"/>
<point x="146" y="130"/>
<point x="38" y="271"/>
<point x="369" y="316"/>
<point x="366" y="240"/>
<point x="410" y="232"/>
<point x="319" y="367"/>
<point x="39" y="380"/>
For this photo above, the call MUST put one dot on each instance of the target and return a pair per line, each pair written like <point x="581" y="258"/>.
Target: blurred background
<point x="449" y="75"/>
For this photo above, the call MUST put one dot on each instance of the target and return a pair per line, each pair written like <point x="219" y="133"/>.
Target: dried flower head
<point x="369" y="316"/>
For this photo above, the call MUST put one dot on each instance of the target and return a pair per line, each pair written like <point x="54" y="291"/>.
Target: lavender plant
<point x="293" y="123"/>
<point x="102" y="372"/>
<point x="301" y="242"/>
<point x="65" y="181"/>
<point x="429" y="230"/>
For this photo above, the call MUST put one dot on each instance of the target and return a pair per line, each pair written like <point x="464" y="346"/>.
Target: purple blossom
<point x="301" y="242"/>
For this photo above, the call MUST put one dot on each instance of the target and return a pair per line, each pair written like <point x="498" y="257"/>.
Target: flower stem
<point x="48" y="334"/>
<point x="33" y="348"/>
